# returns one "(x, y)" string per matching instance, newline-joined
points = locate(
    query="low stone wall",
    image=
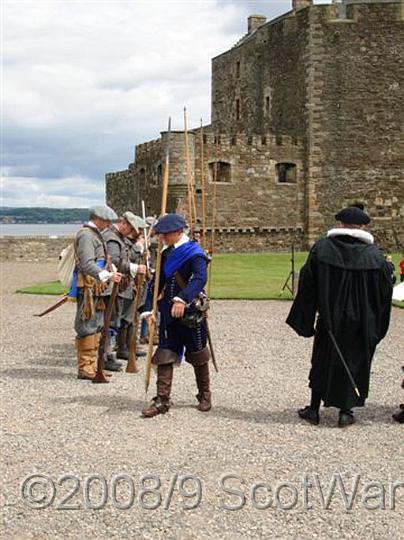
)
(45, 249)
(32, 248)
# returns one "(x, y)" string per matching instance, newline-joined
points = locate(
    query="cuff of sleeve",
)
(133, 269)
(178, 299)
(104, 275)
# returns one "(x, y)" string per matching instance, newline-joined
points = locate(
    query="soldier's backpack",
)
(66, 266)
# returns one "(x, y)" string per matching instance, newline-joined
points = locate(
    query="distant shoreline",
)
(45, 230)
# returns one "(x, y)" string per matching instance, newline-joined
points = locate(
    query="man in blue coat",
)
(183, 330)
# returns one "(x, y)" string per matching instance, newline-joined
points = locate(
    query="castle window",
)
(220, 171)
(267, 105)
(249, 140)
(238, 69)
(286, 173)
(233, 141)
(159, 175)
(237, 109)
(142, 177)
(263, 141)
(205, 139)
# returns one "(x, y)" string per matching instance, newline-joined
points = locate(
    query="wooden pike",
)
(192, 214)
(52, 308)
(212, 236)
(203, 190)
(152, 326)
(102, 348)
(132, 366)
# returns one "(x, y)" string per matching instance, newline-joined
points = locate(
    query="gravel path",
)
(55, 425)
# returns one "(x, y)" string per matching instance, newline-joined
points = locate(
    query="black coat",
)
(348, 284)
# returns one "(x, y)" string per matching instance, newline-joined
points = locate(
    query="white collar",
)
(360, 234)
(92, 225)
(183, 240)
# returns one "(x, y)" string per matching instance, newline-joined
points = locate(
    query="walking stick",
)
(100, 376)
(152, 326)
(350, 377)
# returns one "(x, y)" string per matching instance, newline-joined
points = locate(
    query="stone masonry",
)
(307, 117)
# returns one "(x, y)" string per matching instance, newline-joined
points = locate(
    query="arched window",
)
(286, 173)
(220, 171)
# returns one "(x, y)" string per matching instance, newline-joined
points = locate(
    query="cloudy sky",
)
(84, 82)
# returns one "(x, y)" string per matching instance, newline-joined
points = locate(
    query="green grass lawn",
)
(257, 276)
(238, 276)
(50, 287)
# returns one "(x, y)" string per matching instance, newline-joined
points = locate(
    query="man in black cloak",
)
(347, 282)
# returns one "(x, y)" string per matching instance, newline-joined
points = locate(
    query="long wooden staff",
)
(212, 237)
(191, 194)
(203, 190)
(131, 366)
(152, 327)
(100, 375)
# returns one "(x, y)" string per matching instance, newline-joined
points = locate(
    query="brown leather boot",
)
(204, 395)
(200, 362)
(161, 403)
(87, 348)
(121, 339)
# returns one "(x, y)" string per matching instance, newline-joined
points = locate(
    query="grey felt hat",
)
(103, 212)
(136, 221)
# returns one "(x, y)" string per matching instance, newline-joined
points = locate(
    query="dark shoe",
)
(345, 419)
(205, 401)
(85, 376)
(399, 416)
(112, 365)
(310, 415)
(158, 406)
(123, 354)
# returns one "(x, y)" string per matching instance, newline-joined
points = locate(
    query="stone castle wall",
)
(252, 162)
(356, 141)
(32, 249)
(321, 88)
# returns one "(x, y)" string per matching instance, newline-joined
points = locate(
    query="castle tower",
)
(297, 5)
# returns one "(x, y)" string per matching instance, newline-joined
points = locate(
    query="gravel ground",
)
(55, 425)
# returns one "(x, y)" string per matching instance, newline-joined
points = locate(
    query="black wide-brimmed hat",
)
(353, 216)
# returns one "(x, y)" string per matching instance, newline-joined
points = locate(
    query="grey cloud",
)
(85, 82)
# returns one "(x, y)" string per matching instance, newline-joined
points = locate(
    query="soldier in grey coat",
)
(92, 276)
(135, 247)
(118, 252)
